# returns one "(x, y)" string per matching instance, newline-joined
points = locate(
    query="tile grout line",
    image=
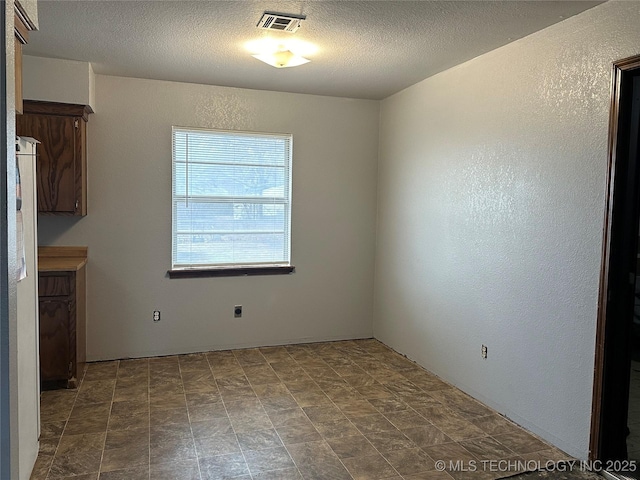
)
(348, 419)
(305, 413)
(193, 438)
(75, 398)
(113, 394)
(227, 412)
(272, 425)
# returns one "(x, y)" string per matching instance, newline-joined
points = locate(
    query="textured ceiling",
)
(368, 49)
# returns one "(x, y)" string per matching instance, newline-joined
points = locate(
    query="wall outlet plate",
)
(156, 315)
(237, 311)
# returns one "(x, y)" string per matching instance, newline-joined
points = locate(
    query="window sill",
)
(231, 271)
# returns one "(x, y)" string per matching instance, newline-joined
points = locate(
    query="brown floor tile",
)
(426, 436)
(167, 400)
(278, 403)
(196, 399)
(302, 433)
(337, 428)
(249, 414)
(494, 424)
(372, 423)
(259, 440)
(293, 416)
(86, 476)
(187, 469)
(125, 438)
(316, 461)
(206, 412)
(268, 459)
(448, 452)
(313, 398)
(285, 474)
(171, 449)
(217, 445)
(169, 416)
(370, 467)
(101, 371)
(210, 428)
(390, 440)
(521, 442)
(251, 422)
(389, 405)
(461, 403)
(407, 419)
(48, 446)
(270, 390)
(41, 467)
(410, 461)
(324, 414)
(96, 391)
(356, 409)
(353, 446)
(158, 433)
(433, 475)
(125, 457)
(487, 448)
(75, 463)
(128, 421)
(137, 393)
(458, 428)
(244, 406)
(223, 467)
(52, 429)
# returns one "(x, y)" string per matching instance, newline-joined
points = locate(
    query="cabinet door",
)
(54, 339)
(56, 163)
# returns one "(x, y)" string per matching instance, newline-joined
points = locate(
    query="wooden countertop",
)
(61, 259)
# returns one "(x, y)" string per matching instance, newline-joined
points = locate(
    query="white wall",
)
(128, 227)
(490, 215)
(55, 80)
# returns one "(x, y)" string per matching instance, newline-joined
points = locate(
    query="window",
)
(231, 200)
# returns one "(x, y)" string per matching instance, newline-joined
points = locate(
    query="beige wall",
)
(128, 228)
(56, 80)
(490, 211)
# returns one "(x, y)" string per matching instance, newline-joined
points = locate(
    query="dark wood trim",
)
(230, 271)
(618, 69)
(61, 109)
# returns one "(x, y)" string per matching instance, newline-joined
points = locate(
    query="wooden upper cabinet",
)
(61, 165)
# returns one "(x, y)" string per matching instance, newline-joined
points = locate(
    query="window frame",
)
(244, 269)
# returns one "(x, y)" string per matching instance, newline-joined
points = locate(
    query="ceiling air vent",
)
(283, 22)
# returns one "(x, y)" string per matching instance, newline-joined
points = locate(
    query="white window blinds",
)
(231, 198)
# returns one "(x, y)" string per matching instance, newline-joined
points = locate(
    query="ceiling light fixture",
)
(282, 58)
(280, 53)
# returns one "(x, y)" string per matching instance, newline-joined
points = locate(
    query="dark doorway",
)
(618, 332)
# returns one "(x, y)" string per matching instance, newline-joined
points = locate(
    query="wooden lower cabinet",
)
(62, 326)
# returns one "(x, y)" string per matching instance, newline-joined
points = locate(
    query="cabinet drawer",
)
(53, 286)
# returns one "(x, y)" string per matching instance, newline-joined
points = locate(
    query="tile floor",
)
(324, 411)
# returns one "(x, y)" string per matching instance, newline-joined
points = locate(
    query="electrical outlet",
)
(484, 351)
(237, 311)
(156, 315)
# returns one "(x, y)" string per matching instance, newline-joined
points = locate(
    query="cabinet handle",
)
(77, 203)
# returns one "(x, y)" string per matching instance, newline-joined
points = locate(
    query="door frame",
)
(618, 78)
